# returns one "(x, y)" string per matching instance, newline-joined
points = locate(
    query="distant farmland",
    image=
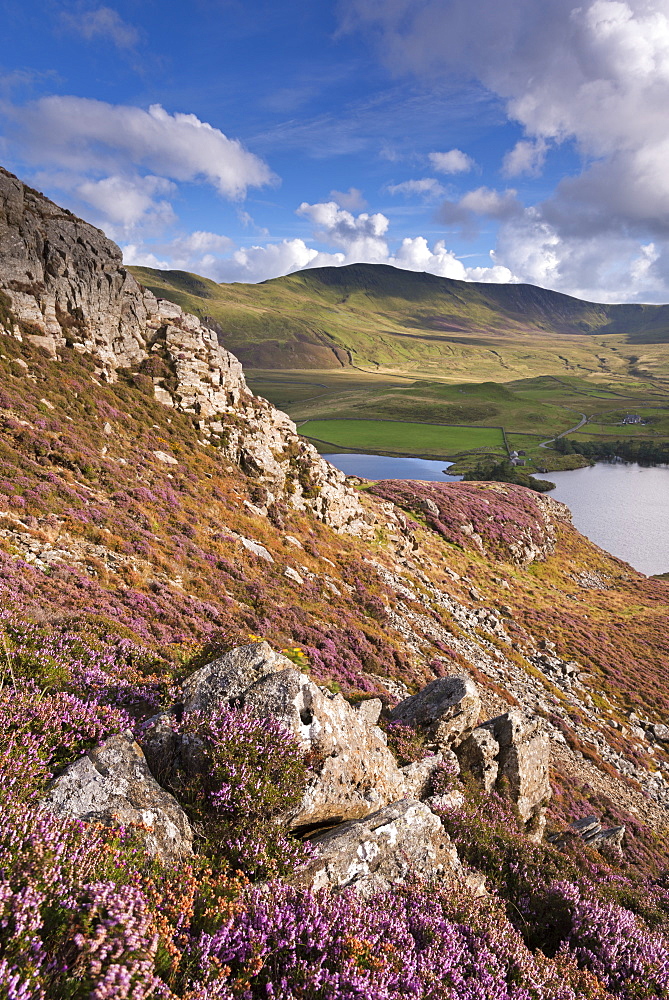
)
(399, 438)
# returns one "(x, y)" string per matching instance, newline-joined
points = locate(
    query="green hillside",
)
(376, 316)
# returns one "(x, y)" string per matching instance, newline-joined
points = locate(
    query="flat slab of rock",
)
(382, 850)
(112, 785)
(447, 709)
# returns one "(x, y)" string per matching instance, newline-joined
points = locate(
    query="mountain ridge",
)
(352, 308)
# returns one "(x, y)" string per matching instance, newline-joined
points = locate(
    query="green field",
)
(426, 440)
(531, 411)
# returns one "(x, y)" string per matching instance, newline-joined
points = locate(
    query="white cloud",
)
(452, 162)
(525, 158)
(105, 23)
(595, 74)
(352, 200)
(355, 239)
(127, 202)
(361, 237)
(139, 256)
(96, 138)
(426, 187)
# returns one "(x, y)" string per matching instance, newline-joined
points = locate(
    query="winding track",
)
(570, 430)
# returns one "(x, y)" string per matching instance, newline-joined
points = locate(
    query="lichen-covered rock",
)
(112, 785)
(224, 679)
(382, 850)
(419, 776)
(356, 774)
(523, 760)
(370, 710)
(446, 710)
(477, 756)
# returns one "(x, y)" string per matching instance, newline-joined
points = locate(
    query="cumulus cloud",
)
(452, 162)
(352, 200)
(426, 187)
(355, 239)
(594, 74)
(525, 158)
(127, 202)
(77, 133)
(361, 237)
(104, 23)
(198, 251)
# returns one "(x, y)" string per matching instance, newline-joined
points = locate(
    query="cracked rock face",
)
(66, 286)
(446, 710)
(382, 850)
(112, 785)
(512, 754)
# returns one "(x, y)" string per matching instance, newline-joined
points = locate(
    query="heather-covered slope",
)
(142, 535)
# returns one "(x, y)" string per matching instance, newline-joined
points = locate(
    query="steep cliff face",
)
(63, 284)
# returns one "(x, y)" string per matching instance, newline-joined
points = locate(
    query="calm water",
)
(623, 508)
(383, 467)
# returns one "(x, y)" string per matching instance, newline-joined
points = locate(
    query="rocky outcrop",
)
(591, 832)
(499, 521)
(355, 773)
(221, 681)
(446, 710)
(112, 785)
(512, 754)
(402, 839)
(419, 776)
(63, 284)
(478, 756)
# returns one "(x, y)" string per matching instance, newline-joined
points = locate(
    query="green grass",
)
(427, 440)
(380, 318)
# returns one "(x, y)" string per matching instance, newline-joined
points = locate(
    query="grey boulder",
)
(230, 675)
(519, 747)
(446, 710)
(356, 773)
(370, 855)
(112, 785)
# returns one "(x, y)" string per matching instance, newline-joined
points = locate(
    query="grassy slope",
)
(378, 315)
(558, 357)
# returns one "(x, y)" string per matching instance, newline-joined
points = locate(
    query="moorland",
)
(200, 619)
(370, 358)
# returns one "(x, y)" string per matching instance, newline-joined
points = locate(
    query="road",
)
(571, 430)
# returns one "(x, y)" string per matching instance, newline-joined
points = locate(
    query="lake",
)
(384, 467)
(623, 508)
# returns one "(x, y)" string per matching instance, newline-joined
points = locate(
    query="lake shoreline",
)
(621, 506)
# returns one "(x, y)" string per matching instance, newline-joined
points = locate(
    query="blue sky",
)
(524, 141)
